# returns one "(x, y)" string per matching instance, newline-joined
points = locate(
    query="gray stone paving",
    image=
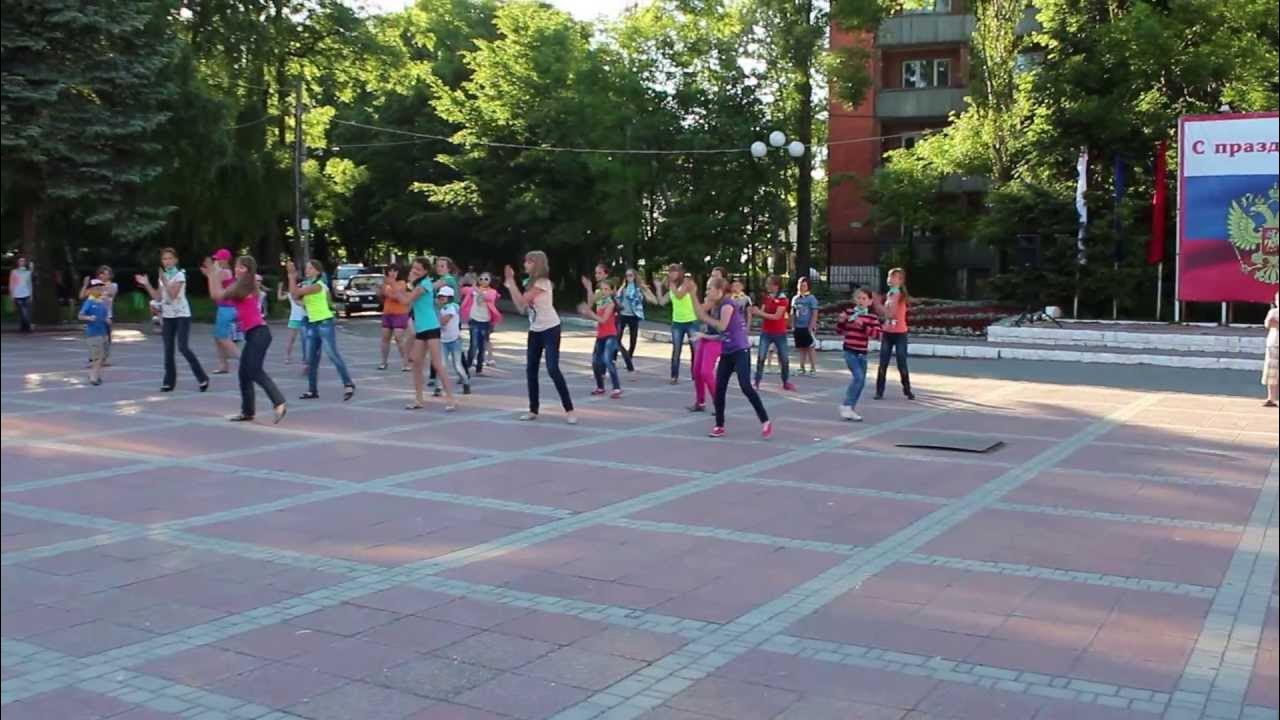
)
(1215, 682)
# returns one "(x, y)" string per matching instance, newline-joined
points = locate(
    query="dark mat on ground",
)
(958, 443)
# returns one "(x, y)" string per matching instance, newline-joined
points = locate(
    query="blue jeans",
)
(453, 360)
(324, 333)
(780, 342)
(857, 363)
(479, 340)
(548, 342)
(603, 359)
(894, 344)
(680, 331)
(23, 306)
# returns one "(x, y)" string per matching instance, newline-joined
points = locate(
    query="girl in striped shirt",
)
(858, 327)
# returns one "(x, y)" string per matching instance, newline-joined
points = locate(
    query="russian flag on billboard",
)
(1229, 192)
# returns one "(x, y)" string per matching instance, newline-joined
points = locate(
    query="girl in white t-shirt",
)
(536, 299)
(297, 321)
(170, 293)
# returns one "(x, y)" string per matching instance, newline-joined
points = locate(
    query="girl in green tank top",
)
(321, 330)
(682, 293)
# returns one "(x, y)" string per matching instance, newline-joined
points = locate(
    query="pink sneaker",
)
(716, 432)
(790, 387)
(766, 430)
(616, 394)
(598, 391)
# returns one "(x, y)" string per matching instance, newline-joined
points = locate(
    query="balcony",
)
(925, 29)
(919, 104)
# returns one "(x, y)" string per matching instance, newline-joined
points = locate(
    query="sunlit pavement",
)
(1116, 558)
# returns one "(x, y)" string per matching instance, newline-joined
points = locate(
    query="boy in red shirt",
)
(775, 310)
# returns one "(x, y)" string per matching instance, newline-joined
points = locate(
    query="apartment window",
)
(917, 7)
(926, 73)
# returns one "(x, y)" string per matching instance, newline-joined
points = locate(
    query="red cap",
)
(222, 255)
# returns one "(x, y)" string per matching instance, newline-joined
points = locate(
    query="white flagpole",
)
(1159, 287)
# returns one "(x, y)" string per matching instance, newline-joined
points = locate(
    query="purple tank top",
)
(735, 335)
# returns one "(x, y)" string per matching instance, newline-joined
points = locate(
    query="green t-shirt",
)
(317, 303)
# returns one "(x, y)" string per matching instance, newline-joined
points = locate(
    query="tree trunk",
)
(804, 184)
(44, 290)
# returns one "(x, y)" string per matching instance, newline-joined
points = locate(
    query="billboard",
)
(1228, 202)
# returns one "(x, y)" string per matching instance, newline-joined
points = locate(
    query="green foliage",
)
(84, 91)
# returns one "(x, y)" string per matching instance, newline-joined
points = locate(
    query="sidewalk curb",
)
(987, 352)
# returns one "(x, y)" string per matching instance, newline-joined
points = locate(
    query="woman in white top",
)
(1271, 362)
(297, 322)
(536, 299)
(20, 291)
(175, 314)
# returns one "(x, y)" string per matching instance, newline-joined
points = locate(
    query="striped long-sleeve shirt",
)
(858, 330)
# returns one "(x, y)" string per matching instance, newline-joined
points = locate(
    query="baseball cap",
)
(223, 254)
(445, 291)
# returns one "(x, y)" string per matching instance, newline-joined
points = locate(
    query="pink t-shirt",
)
(249, 312)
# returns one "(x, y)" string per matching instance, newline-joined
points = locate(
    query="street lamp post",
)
(796, 149)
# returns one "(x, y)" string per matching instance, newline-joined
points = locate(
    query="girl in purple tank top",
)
(735, 355)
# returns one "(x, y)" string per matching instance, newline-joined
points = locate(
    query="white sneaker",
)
(847, 413)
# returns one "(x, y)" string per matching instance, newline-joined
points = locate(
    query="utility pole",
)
(300, 223)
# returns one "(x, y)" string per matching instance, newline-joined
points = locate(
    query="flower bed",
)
(931, 316)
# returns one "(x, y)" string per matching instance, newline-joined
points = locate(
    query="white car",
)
(343, 274)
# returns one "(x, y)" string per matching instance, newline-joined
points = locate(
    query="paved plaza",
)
(1115, 559)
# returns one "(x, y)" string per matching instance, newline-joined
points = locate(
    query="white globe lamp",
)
(796, 149)
(777, 139)
(758, 149)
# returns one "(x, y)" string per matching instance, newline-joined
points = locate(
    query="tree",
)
(84, 91)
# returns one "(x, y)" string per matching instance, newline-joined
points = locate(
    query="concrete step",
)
(942, 347)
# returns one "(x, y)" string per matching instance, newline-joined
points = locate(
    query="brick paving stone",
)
(634, 644)
(419, 634)
(449, 711)
(734, 700)
(148, 496)
(66, 704)
(406, 600)
(547, 482)
(471, 613)
(353, 658)
(202, 666)
(278, 642)
(794, 513)
(925, 640)
(91, 638)
(1224, 504)
(811, 677)
(820, 708)
(580, 668)
(496, 650)
(362, 700)
(1264, 687)
(551, 627)
(901, 475)
(345, 619)
(1105, 546)
(963, 701)
(21, 533)
(521, 696)
(278, 685)
(435, 677)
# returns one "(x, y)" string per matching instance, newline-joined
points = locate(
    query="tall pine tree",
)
(82, 90)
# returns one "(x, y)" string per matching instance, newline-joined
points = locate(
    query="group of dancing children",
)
(424, 312)
(716, 327)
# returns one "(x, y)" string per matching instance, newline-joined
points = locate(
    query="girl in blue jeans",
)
(858, 327)
(322, 329)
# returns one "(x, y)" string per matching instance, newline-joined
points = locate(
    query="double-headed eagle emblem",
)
(1252, 228)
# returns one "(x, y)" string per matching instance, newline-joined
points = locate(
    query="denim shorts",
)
(224, 326)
